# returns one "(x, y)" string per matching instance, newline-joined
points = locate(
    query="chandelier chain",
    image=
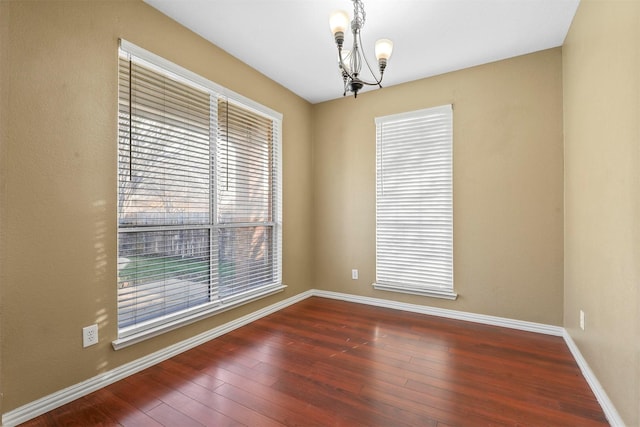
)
(359, 15)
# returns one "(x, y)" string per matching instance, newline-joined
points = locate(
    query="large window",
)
(414, 202)
(199, 205)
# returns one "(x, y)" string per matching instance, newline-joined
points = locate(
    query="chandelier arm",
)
(352, 76)
(364, 82)
(366, 61)
(343, 67)
(369, 84)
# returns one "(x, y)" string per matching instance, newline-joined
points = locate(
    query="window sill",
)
(434, 293)
(135, 338)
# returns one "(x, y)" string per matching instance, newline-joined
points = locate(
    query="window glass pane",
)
(245, 165)
(161, 272)
(245, 259)
(164, 156)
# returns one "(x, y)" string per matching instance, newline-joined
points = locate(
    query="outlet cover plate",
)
(89, 335)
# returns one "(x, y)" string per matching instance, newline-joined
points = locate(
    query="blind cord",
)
(130, 125)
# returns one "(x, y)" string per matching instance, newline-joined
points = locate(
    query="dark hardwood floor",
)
(327, 363)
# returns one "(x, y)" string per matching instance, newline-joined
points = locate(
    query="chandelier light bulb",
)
(338, 21)
(383, 49)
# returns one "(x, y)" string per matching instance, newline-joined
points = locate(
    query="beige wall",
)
(507, 186)
(58, 70)
(58, 181)
(4, 104)
(601, 58)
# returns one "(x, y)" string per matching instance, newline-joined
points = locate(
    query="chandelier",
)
(351, 61)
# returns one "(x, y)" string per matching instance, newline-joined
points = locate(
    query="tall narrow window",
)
(414, 202)
(199, 212)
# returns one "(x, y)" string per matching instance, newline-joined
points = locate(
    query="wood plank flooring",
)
(322, 362)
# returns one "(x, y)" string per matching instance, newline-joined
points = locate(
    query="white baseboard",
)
(57, 399)
(607, 406)
(450, 314)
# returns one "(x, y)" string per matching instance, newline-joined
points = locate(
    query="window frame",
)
(406, 267)
(131, 335)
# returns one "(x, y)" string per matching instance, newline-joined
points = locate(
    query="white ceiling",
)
(290, 42)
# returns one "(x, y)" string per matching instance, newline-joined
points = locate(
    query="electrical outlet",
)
(354, 274)
(582, 320)
(90, 335)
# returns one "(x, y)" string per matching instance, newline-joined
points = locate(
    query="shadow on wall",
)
(101, 269)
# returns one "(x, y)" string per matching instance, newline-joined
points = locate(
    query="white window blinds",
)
(199, 211)
(246, 162)
(414, 202)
